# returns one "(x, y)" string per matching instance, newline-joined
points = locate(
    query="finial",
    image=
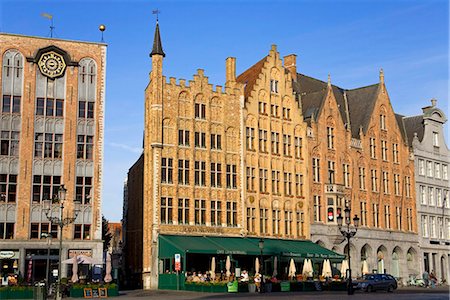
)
(381, 76)
(156, 12)
(157, 45)
(50, 17)
(102, 28)
(329, 80)
(433, 102)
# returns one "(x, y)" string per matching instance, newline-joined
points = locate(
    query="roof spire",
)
(329, 80)
(157, 45)
(381, 76)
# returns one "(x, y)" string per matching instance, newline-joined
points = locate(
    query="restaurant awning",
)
(169, 245)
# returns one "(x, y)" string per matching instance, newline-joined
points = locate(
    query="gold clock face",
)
(52, 64)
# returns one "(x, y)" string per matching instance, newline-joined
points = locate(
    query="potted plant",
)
(251, 286)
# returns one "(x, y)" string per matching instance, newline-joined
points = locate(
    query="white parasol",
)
(108, 277)
(74, 269)
(275, 263)
(228, 266)
(344, 268)
(326, 268)
(292, 268)
(305, 268)
(365, 267)
(213, 268)
(256, 265)
(310, 268)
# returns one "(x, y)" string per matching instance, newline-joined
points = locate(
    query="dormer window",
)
(274, 86)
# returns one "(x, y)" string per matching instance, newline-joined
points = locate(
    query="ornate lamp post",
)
(261, 248)
(348, 233)
(61, 222)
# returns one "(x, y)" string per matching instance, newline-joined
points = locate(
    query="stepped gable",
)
(249, 77)
(361, 103)
(414, 124)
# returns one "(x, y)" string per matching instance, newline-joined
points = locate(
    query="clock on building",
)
(52, 64)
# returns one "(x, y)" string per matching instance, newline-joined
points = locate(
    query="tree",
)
(106, 235)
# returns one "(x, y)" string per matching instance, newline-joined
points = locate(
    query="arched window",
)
(12, 81)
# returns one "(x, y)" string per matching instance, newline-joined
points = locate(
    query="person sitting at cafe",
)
(195, 278)
(244, 276)
(257, 280)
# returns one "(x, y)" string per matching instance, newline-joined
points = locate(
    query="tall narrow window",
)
(299, 219)
(231, 213)
(383, 122)
(183, 211)
(398, 218)
(331, 170)
(263, 220)
(317, 208)
(262, 107)
(263, 177)
(286, 113)
(276, 183)
(437, 170)
(274, 86)
(287, 184)
(263, 141)
(374, 180)
(87, 79)
(231, 176)
(216, 174)
(183, 137)
(375, 216)
(7, 231)
(387, 216)
(12, 82)
(386, 182)
(298, 147)
(183, 171)
(330, 137)
(421, 167)
(424, 225)
(251, 220)
(200, 111)
(85, 146)
(200, 173)
(395, 152)
(166, 210)
(362, 178)
(216, 213)
(435, 139)
(251, 179)
(275, 143)
(409, 219)
(407, 186)
(83, 189)
(286, 145)
(423, 195)
(444, 172)
(288, 223)
(429, 168)
(276, 220)
(316, 169)
(216, 141)
(431, 196)
(363, 212)
(250, 138)
(9, 142)
(200, 212)
(346, 171)
(299, 185)
(8, 188)
(200, 139)
(373, 149)
(166, 170)
(397, 184)
(384, 150)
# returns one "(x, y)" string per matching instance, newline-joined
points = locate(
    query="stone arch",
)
(411, 260)
(330, 122)
(263, 203)
(288, 206)
(274, 73)
(397, 257)
(382, 256)
(199, 98)
(251, 121)
(366, 252)
(275, 204)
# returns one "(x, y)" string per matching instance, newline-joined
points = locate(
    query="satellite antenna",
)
(102, 28)
(50, 17)
(156, 12)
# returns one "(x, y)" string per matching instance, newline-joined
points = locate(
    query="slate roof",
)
(413, 124)
(157, 45)
(250, 75)
(401, 125)
(361, 102)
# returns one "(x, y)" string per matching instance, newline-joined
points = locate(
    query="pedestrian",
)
(426, 278)
(433, 279)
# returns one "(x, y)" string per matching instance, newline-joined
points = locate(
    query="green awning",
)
(169, 245)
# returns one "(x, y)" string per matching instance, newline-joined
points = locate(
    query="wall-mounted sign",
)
(76, 252)
(6, 254)
(177, 262)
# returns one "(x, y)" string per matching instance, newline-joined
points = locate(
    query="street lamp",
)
(261, 248)
(348, 233)
(61, 222)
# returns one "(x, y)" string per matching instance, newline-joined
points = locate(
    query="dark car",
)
(374, 282)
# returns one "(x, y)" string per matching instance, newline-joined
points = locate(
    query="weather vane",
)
(102, 28)
(50, 17)
(156, 12)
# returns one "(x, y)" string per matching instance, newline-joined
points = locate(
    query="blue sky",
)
(351, 40)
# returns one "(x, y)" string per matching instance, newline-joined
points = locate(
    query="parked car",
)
(374, 282)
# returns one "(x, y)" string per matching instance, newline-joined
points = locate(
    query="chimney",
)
(230, 69)
(290, 63)
(433, 102)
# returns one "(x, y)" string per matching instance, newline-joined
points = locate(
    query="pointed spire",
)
(381, 76)
(329, 80)
(157, 45)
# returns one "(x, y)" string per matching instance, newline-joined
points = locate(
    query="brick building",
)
(360, 159)
(52, 105)
(221, 168)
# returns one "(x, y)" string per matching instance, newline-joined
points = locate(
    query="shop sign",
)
(177, 262)
(76, 252)
(7, 254)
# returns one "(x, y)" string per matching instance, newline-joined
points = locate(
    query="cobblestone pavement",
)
(410, 293)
